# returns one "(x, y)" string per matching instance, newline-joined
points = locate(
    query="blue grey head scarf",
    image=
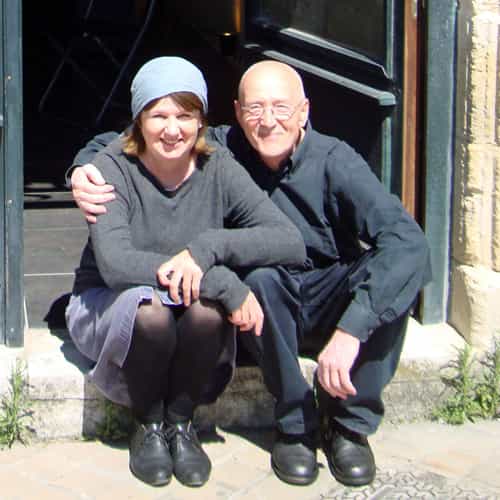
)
(162, 76)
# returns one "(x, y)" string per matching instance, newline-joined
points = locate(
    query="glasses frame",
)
(249, 116)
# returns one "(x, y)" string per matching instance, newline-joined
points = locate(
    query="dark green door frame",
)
(11, 178)
(3, 238)
(439, 151)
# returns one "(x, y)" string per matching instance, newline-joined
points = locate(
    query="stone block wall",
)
(475, 267)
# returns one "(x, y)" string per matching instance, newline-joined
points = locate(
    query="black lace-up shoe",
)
(293, 458)
(349, 456)
(150, 459)
(191, 464)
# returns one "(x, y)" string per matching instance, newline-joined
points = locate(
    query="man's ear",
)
(237, 110)
(304, 113)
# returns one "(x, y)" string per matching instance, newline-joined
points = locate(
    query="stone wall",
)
(475, 267)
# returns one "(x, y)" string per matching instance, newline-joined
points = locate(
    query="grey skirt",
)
(100, 322)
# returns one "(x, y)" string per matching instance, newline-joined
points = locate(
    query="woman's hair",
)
(133, 140)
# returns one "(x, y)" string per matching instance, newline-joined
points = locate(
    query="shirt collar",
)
(301, 150)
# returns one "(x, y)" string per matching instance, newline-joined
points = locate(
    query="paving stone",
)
(391, 484)
(93, 470)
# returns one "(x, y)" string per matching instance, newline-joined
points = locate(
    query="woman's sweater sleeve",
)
(257, 233)
(221, 284)
(120, 263)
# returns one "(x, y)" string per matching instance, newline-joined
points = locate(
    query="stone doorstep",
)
(66, 405)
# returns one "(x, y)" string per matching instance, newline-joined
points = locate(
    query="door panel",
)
(355, 24)
(350, 54)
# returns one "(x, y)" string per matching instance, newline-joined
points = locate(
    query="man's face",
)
(272, 112)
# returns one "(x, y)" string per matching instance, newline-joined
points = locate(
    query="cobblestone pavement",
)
(414, 461)
(398, 484)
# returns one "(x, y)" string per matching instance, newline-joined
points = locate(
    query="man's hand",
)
(181, 271)
(249, 315)
(90, 191)
(335, 362)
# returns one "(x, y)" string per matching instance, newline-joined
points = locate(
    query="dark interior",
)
(54, 134)
(55, 231)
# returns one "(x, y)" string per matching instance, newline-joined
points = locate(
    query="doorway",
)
(54, 230)
(356, 82)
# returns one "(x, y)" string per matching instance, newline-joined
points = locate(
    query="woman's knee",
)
(201, 331)
(205, 315)
(153, 318)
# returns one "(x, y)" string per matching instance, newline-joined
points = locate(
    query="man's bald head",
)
(272, 73)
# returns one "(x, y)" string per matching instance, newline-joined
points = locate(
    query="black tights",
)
(173, 353)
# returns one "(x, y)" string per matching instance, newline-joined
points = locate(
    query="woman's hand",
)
(90, 191)
(181, 272)
(249, 315)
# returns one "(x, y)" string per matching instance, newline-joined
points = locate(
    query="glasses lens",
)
(254, 111)
(279, 111)
(282, 111)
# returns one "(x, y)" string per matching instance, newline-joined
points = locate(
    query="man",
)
(367, 261)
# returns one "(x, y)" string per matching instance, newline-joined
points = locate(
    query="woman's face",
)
(170, 131)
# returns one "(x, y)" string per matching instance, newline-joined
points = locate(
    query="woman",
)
(156, 297)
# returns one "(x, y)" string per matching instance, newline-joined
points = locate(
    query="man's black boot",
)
(191, 464)
(349, 456)
(293, 458)
(150, 459)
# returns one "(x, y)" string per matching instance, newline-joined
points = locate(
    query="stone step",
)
(65, 404)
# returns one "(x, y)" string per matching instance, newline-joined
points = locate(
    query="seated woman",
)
(156, 298)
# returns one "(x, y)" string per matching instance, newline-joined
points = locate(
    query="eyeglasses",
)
(280, 111)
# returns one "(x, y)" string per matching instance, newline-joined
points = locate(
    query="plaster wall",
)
(475, 267)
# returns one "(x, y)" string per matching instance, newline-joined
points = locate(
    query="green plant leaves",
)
(14, 408)
(475, 387)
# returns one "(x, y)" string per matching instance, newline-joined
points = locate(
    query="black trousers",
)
(301, 311)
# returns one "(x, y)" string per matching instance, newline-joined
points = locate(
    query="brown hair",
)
(133, 140)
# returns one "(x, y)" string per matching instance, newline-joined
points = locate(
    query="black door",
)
(349, 53)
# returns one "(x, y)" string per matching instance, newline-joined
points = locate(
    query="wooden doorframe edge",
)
(412, 92)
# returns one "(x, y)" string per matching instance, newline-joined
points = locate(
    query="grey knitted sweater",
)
(219, 214)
